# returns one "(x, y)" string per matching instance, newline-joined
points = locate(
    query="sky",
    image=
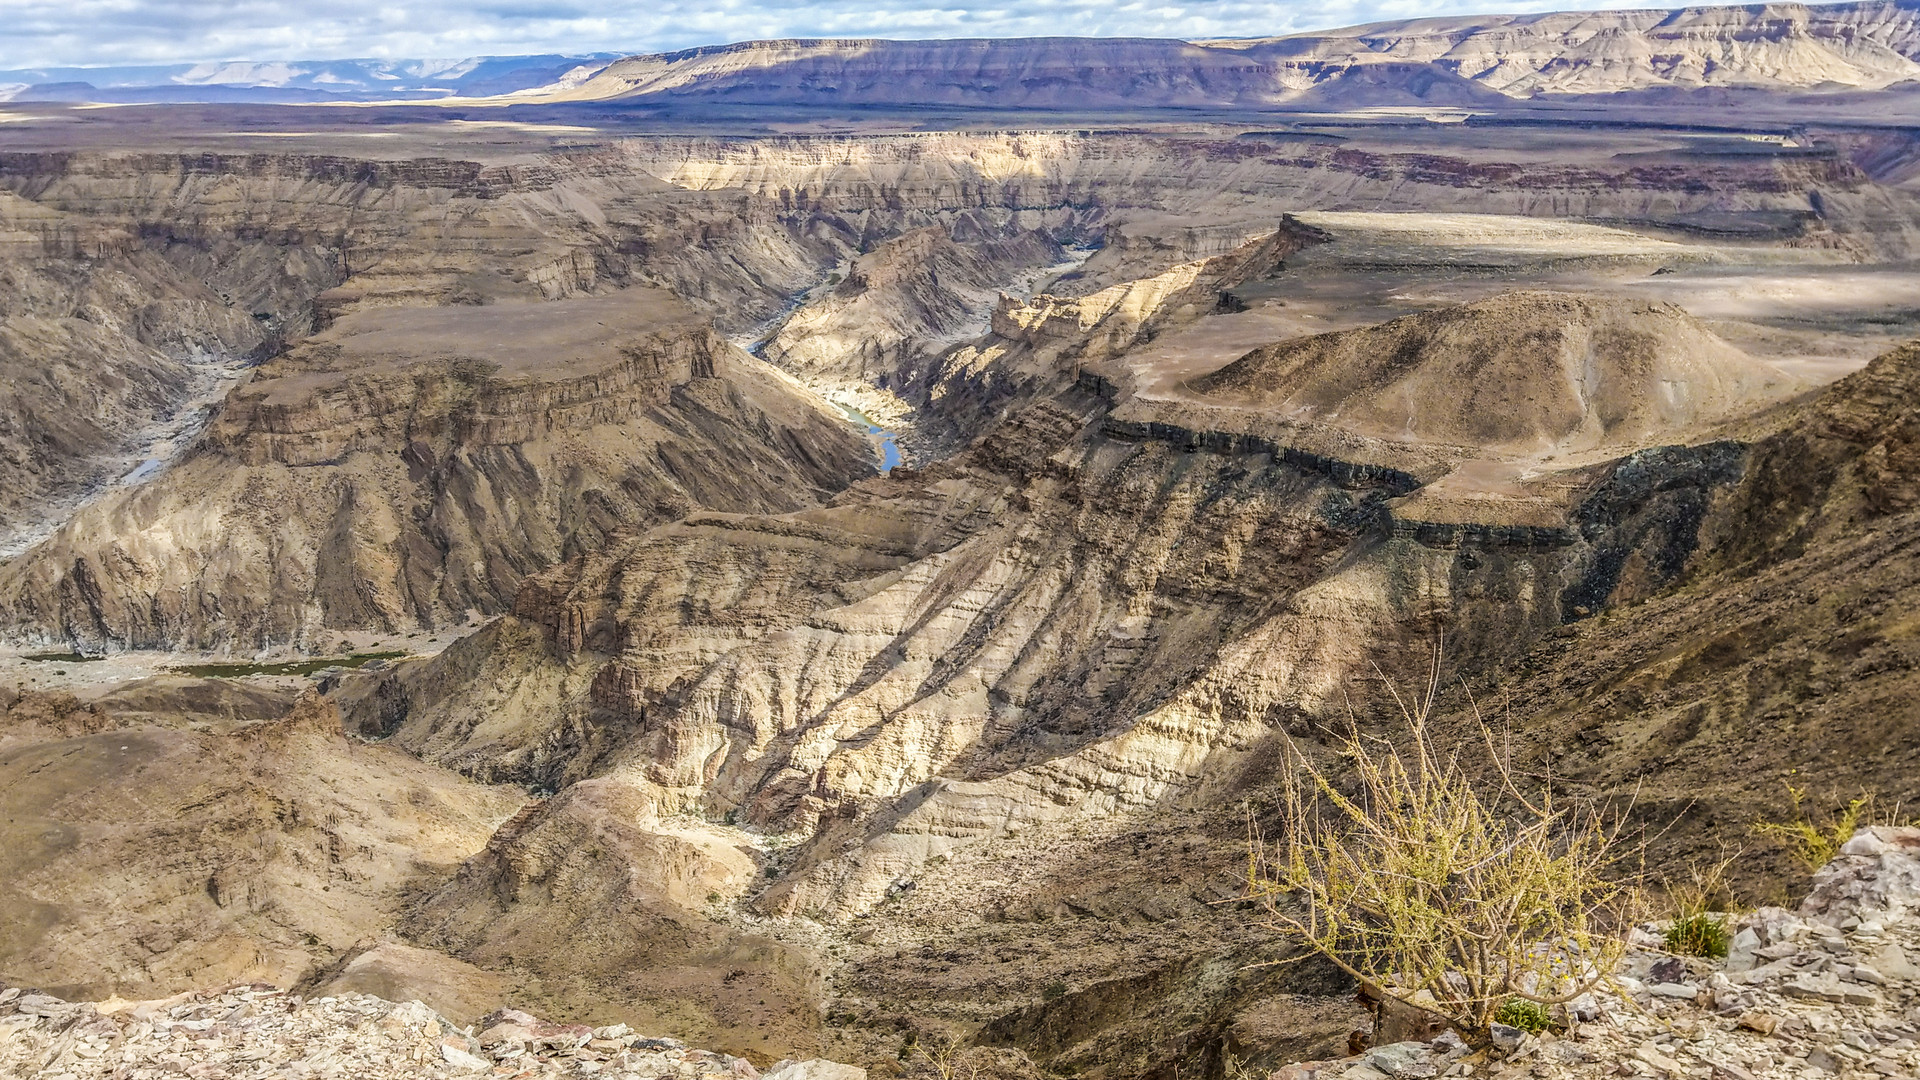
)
(43, 33)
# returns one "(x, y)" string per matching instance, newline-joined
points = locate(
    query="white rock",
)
(1658, 1061)
(815, 1069)
(462, 1060)
(1890, 960)
(1740, 950)
(1876, 876)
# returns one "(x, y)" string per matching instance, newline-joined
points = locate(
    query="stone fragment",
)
(1670, 970)
(1409, 1059)
(1449, 1044)
(1741, 950)
(1876, 876)
(1657, 1061)
(1758, 1020)
(1862, 1041)
(462, 1060)
(1864, 974)
(1890, 960)
(1820, 1059)
(505, 1033)
(1507, 1038)
(1826, 987)
(1681, 991)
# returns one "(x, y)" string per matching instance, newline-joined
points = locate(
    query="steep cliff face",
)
(1039, 344)
(410, 467)
(963, 700)
(906, 301)
(101, 340)
(1180, 194)
(1867, 45)
(967, 698)
(1071, 621)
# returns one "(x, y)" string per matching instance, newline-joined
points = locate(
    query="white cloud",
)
(43, 33)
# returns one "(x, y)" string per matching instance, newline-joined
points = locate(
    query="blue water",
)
(889, 449)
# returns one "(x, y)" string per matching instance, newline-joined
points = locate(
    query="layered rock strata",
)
(410, 467)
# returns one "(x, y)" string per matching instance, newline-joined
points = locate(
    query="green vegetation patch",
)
(296, 667)
(63, 657)
(1698, 934)
(1525, 1015)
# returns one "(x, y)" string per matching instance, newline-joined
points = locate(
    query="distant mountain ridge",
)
(300, 80)
(1464, 61)
(1468, 62)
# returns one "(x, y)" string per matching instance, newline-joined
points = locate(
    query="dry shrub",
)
(1449, 894)
(940, 1055)
(1816, 842)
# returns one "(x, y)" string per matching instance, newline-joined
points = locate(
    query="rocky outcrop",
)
(347, 1034)
(1041, 344)
(101, 341)
(410, 467)
(1779, 652)
(1774, 46)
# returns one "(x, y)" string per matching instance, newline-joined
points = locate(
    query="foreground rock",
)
(258, 1031)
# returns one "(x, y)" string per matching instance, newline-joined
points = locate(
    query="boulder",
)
(815, 1069)
(1876, 877)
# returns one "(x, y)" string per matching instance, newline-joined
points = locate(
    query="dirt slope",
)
(1788, 657)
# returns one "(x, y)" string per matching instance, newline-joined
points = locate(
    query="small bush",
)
(1815, 843)
(1529, 1016)
(1449, 895)
(1053, 991)
(1698, 935)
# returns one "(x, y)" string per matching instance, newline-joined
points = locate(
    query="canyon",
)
(817, 582)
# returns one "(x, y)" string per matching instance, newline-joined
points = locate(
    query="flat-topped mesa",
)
(467, 376)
